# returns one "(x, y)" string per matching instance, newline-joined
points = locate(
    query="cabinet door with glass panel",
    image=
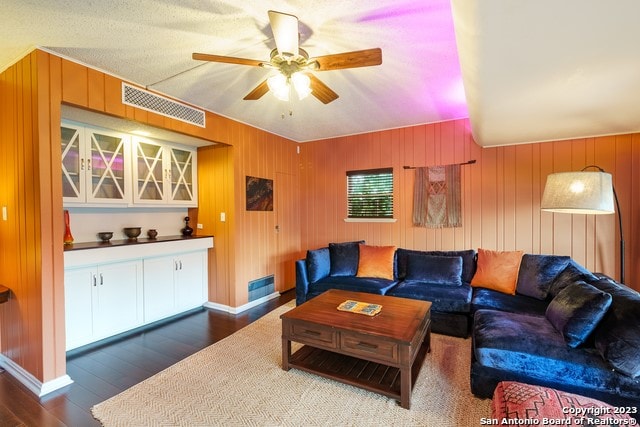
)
(95, 165)
(164, 173)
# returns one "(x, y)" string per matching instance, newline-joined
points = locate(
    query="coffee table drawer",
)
(364, 346)
(311, 335)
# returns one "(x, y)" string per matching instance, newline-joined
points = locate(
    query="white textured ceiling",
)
(533, 70)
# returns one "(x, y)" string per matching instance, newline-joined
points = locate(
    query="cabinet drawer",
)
(369, 348)
(313, 335)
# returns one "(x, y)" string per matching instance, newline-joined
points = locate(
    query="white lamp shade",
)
(578, 192)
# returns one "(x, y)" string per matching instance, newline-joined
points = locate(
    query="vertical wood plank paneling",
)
(95, 90)
(501, 193)
(74, 83)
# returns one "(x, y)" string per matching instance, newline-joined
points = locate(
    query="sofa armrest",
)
(302, 281)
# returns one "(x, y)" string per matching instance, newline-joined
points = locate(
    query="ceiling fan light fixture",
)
(302, 85)
(279, 86)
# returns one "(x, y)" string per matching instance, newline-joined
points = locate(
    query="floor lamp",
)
(584, 192)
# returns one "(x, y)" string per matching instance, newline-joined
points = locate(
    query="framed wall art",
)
(259, 194)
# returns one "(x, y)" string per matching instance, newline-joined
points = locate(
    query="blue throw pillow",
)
(571, 273)
(344, 258)
(318, 264)
(576, 311)
(537, 273)
(434, 270)
(468, 261)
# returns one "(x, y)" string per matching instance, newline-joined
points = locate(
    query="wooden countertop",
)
(128, 242)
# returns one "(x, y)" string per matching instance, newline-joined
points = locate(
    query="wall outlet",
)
(199, 226)
(223, 216)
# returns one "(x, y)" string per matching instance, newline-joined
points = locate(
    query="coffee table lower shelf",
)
(361, 373)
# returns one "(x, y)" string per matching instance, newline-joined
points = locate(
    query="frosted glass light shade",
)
(279, 86)
(302, 84)
(578, 192)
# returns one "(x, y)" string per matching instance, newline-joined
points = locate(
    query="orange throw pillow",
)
(376, 261)
(497, 270)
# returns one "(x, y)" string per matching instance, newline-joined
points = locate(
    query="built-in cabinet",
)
(110, 290)
(103, 167)
(102, 300)
(164, 173)
(173, 284)
(95, 165)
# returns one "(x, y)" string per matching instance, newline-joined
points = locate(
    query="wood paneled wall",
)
(501, 194)
(31, 258)
(249, 247)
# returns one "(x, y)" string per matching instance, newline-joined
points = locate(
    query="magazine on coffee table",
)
(360, 307)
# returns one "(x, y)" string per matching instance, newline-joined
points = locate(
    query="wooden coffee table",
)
(382, 353)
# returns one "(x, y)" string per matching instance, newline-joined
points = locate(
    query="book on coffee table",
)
(360, 307)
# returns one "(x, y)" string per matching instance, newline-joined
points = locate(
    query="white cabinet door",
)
(78, 291)
(118, 304)
(182, 176)
(159, 289)
(95, 165)
(101, 301)
(150, 173)
(107, 166)
(73, 163)
(191, 280)
(163, 173)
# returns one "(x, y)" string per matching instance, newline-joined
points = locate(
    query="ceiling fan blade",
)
(285, 32)
(321, 90)
(226, 59)
(257, 93)
(358, 58)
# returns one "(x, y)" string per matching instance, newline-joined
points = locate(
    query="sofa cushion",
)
(570, 274)
(344, 258)
(318, 264)
(576, 311)
(468, 261)
(487, 299)
(436, 270)
(531, 346)
(376, 261)
(497, 270)
(537, 273)
(351, 283)
(617, 336)
(444, 298)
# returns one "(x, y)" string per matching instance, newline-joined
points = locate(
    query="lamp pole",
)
(615, 197)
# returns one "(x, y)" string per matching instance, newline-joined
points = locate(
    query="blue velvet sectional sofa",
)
(564, 327)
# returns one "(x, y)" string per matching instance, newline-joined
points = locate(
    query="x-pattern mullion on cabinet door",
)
(151, 168)
(182, 170)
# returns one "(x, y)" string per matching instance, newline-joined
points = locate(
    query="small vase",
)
(187, 231)
(152, 233)
(68, 238)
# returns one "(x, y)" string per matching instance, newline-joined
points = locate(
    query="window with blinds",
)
(370, 193)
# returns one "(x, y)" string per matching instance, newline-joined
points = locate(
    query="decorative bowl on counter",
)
(132, 232)
(105, 236)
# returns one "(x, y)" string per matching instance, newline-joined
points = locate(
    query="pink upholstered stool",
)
(513, 400)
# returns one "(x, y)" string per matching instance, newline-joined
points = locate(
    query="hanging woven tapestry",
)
(437, 197)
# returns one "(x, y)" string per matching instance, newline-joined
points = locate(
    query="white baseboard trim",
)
(247, 306)
(29, 381)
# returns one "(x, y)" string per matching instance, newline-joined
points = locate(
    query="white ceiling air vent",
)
(149, 101)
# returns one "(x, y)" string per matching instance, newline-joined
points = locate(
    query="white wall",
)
(87, 222)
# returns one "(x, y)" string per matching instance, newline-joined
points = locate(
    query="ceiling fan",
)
(294, 65)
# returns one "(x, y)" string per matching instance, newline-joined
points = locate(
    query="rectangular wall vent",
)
(149, 101)
(261, 288)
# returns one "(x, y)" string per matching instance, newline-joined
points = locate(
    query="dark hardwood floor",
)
(107, 369)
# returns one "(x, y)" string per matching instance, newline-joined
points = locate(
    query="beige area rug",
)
(239, 381)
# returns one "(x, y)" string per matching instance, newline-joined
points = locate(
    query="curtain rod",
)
(470, 162)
